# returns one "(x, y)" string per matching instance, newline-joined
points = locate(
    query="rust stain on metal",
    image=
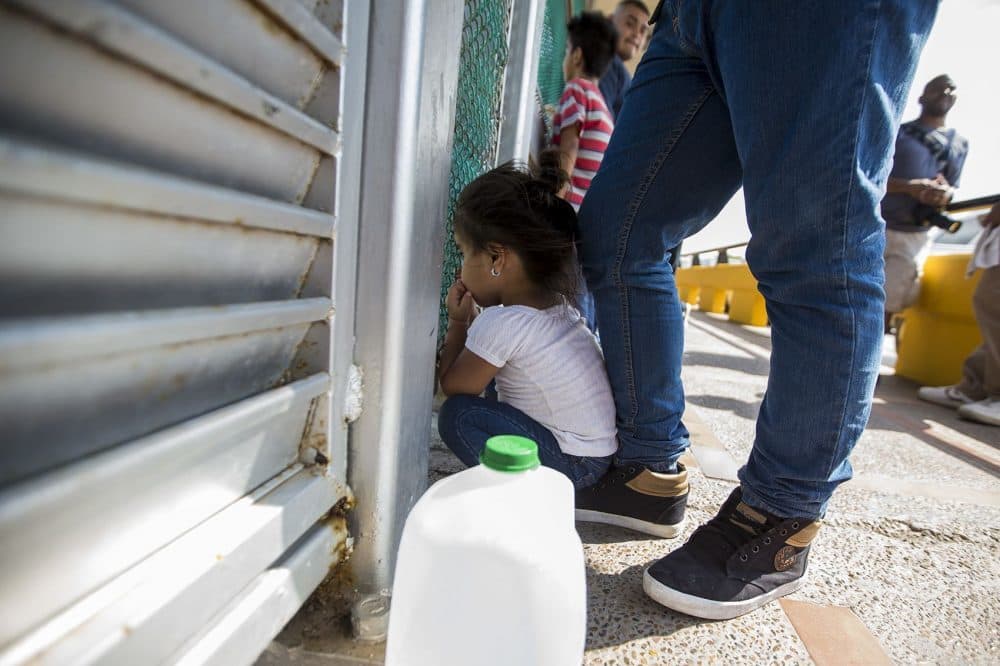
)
(326, 614)
(342, 507)
(269, 108)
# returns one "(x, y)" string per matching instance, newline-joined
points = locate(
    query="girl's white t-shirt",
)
(552, 369)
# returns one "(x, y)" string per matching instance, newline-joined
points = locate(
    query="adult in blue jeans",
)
(799, 103)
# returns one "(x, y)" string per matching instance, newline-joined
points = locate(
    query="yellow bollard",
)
(688, 287)
(712, 300)
(688, 293)
(715, 287)
(747, 307)
(939, 330)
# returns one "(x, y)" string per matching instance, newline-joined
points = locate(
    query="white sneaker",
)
(949, 396)
(985, 411)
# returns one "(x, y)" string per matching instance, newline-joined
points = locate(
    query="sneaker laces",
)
(730, 531)
(617, 475)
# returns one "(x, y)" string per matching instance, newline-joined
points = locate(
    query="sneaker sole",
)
(944, 402)
(709, 609)
(654, 529)
(978, 418)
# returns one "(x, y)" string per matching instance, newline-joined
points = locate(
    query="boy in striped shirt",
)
(583, 123)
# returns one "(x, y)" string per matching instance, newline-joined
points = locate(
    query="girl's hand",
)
(460, 303)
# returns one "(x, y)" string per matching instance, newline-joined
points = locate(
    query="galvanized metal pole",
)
(413, 53)
(519, 112)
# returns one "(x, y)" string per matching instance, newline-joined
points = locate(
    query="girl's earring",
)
(494, 272)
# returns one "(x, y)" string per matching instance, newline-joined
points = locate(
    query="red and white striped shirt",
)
(583, 105)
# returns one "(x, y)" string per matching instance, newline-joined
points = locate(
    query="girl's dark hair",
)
(516, 206)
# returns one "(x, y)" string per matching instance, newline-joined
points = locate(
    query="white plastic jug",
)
(490, 568)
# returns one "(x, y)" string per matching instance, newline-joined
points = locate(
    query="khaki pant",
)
(981, 370)
(905, 254)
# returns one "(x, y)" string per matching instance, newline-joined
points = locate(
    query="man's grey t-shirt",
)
(912, 159)
(613, 85)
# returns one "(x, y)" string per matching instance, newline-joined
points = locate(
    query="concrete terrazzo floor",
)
(911, 546)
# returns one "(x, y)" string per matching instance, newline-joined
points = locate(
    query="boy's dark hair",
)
(638, 4)
(596, 37)
(516, 206)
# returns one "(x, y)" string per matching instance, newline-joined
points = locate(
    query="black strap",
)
(937, 143)
(655, 16)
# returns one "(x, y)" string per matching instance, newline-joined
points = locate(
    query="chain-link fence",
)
(481, 69)
(550, 56)
(550, 59)
(482, 64)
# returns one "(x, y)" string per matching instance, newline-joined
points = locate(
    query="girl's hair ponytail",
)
(548, 175)
(547, 171)
(518, 207)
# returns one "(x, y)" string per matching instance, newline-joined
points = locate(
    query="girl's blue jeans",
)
(466, 422)
(798, 103)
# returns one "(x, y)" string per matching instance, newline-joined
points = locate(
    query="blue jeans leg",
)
(776, 101)
(671, 165)
(585, 303)
(465, 422)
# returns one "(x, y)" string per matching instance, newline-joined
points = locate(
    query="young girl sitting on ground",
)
(518, 263)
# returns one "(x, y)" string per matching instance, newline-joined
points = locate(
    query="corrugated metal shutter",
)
(171, 372)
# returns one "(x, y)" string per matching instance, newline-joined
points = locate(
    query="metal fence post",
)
(413, 54)
(519, 112)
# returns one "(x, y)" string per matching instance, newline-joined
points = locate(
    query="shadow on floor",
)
(741, 408)
(751, 366)
(758, 344)
(618, 611)
(597, 533)
(897, 408)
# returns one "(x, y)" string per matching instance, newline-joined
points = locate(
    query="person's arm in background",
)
(992, 218)
(937, 191)
(572, 112)
(569, 146)
(933, 192)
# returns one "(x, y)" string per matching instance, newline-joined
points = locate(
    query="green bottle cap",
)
(510, 453)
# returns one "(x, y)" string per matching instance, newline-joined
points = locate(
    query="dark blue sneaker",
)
(736, 562)
(638, 499)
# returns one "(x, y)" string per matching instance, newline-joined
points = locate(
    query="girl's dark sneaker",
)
(736, 562)
(638, 499)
